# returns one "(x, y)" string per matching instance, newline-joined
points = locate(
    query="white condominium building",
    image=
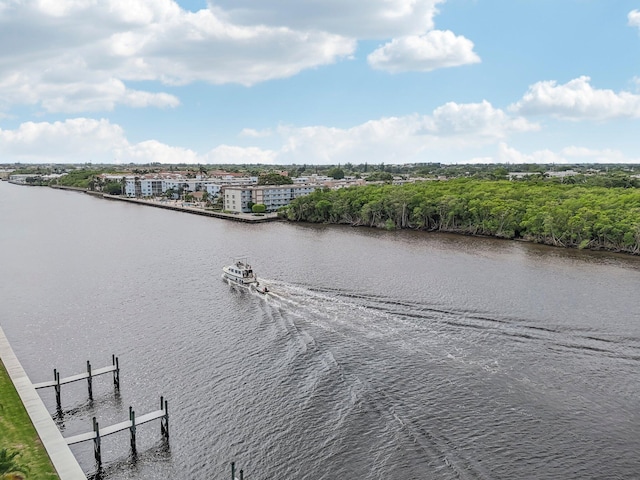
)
(238, 199)
(156, 185)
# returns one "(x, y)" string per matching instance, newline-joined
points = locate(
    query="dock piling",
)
(96, 443)
(89, 380)
(56, 378)
(233, 472)
(164, 421)
(116, 372)
(132, 429)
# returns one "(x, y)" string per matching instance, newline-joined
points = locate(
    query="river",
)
(378, 355)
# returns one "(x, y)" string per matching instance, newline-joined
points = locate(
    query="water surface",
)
(379, 354)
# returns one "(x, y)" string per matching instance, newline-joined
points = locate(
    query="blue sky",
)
(320, 81)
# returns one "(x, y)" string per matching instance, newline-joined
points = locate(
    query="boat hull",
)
(236, 280)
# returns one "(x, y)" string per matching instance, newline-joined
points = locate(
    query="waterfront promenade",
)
(180, 206)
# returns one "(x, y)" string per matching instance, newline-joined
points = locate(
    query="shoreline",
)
(250, 218)
(62, 459)
(175, 206)
(179, 207)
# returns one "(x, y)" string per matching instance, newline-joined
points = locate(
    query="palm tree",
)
(9, 465)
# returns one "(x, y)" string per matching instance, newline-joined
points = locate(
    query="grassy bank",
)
(18, 436)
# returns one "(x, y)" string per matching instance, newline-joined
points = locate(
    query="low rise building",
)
(30, 178)
(157, 184)
(241, 198)
(20, 179)
(314, 179)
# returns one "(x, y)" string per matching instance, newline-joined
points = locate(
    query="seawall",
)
(236, 217)
(59, 452)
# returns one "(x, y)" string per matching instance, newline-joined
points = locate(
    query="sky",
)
(320, 81)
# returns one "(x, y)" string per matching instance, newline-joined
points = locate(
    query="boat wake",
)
(337, 354)
(405, 362)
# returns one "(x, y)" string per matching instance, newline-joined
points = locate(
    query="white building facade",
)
(239, 199)
(157, 185)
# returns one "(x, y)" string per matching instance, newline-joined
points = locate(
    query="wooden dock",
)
(97, 433)
(118, 427)
(57, 382)
(75, 378)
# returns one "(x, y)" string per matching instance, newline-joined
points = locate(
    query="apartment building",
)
(239, 198)
(157, 185)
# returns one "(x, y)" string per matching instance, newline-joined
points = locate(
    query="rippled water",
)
(378, 355)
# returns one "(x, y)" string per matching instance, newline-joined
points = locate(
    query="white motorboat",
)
(241, 273)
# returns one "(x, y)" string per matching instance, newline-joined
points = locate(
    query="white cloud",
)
(224, 154)
(154, 151)
(385, 140)
(436, 49)
(76, 96)
(477, 119)
(577, 100)
(74, 140)
(634, 18)
(507, 154)
(253, 133)
(416, 46)
(353, 18)
(200, 46)
(452, 127)
(567, 155)
(78, 55)
(82, 140)
(481, 160)
(590, 155)
(83, 55)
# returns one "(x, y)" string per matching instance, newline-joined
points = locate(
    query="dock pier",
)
(97, 433)
(57, 382)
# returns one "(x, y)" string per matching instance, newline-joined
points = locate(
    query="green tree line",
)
(582, 216)
(79, 178)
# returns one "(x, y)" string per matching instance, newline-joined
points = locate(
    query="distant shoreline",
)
(177, 206)
(269, 217)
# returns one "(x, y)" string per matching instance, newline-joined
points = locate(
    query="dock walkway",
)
(75, 378)
(118, 427)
